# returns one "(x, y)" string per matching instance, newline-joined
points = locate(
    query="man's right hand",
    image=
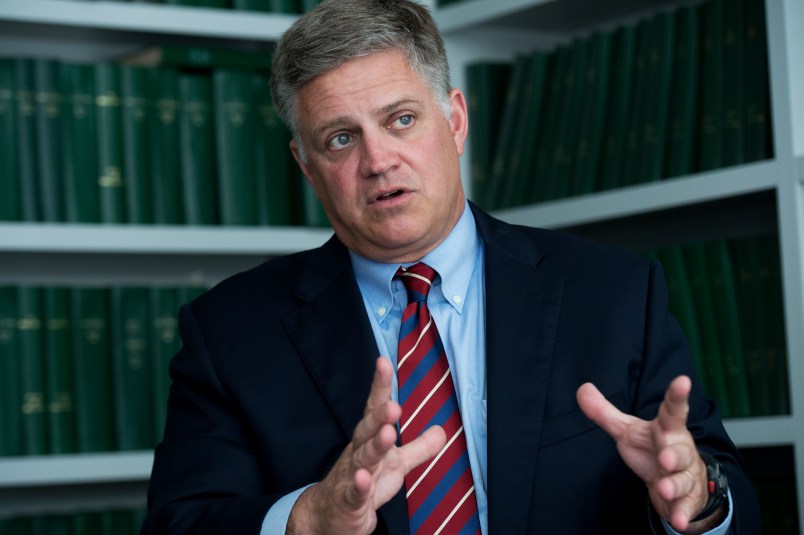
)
(369, 472)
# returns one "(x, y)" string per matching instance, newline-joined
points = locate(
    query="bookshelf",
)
(760, 195)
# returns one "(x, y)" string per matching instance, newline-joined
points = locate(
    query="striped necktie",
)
(440, 494)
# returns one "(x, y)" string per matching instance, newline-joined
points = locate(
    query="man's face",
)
(382, 157)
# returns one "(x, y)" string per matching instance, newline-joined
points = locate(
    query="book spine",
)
(80, 160)
(710, 116)
(9, 181)
(32, 370)
(131, 368)
(26, 139)
(197, 149)
(734, 84)
(93, 376)
(59, 370)
(274, 170)
(234, 128)
(758, 132)
(164, 146)
(135, 105)
(164, 344)
(48, 99)
(10, 393)
(110, 146)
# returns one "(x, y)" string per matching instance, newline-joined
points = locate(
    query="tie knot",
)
(418, 279)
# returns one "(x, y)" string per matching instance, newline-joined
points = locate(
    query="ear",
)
(305, 169)
(458, 119)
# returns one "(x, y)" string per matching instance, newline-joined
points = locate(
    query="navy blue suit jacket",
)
(277, 363)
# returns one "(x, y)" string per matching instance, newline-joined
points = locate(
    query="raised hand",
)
(661, 451)
(369, 472)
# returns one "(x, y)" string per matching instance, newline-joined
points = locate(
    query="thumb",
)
(598, 409)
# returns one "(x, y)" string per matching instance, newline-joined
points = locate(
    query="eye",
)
(339, 141)
(403, 121)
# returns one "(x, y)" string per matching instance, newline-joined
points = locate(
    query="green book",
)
(710, 115)
(774, 322)
(272, 6)
(757, 121)
(542, 171)
(521, 181)
(234, 128)
(575, 87)
(28, 175)
(136, 157)
(59, 391)
(619, 107)
(705, 310)
(131, 368)
(275, 170)
(32, 370)
(198, 57)
(589, 142)
(721, 275)
(307, 5)
(682, 132)
(734, 83)
(499, 177)
(486, 86)
(47, 98)
(10, 393)
(682, 306)
(642, 90)
(52, 524)
(164, 337)
(197, 149)
(164, 146)
(9, 183)
(93, 373)
(81, 193)
(750, 308)
(110, 143)
(659, 72)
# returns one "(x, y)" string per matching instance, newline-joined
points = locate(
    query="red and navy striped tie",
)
(440, 493)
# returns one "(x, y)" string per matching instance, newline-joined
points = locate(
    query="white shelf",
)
(147, 18)
(75, 469)
(155, 239)
(648, 198)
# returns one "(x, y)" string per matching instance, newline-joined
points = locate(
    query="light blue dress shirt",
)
(457, 304)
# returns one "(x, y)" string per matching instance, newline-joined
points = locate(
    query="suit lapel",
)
(523, 301)
(333, 337)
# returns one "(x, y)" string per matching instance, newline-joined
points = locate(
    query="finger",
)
(680, 514)
(374, 419)
(381, 384)
(678, 457)
(676, 485)
(370, 454)
(675, 407)
(598, 409)
(423, 448)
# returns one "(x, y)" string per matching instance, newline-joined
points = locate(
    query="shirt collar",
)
(456, 255)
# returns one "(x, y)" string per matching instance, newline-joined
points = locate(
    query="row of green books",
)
(267, 6)
(677, 93)
(181, 142)
(85, 369)
(727, 297)
(112, 522)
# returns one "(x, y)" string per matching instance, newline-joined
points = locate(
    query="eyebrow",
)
(385, 110)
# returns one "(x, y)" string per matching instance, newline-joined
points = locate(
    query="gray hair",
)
(337, 31)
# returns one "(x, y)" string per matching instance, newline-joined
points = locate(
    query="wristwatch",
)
(717, 487)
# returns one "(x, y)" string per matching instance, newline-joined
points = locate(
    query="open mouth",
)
(390, 195)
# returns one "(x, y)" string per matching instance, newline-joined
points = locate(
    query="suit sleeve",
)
(205, 478)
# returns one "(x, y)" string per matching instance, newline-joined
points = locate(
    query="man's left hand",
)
(661, 451)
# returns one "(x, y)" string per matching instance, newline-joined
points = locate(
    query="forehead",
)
(366, 84)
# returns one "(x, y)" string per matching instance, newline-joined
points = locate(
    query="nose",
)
(378, 155)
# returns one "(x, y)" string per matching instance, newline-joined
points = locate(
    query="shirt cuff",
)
(722, 529)
(276, 519)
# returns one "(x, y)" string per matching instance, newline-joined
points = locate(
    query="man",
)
(281, 416)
